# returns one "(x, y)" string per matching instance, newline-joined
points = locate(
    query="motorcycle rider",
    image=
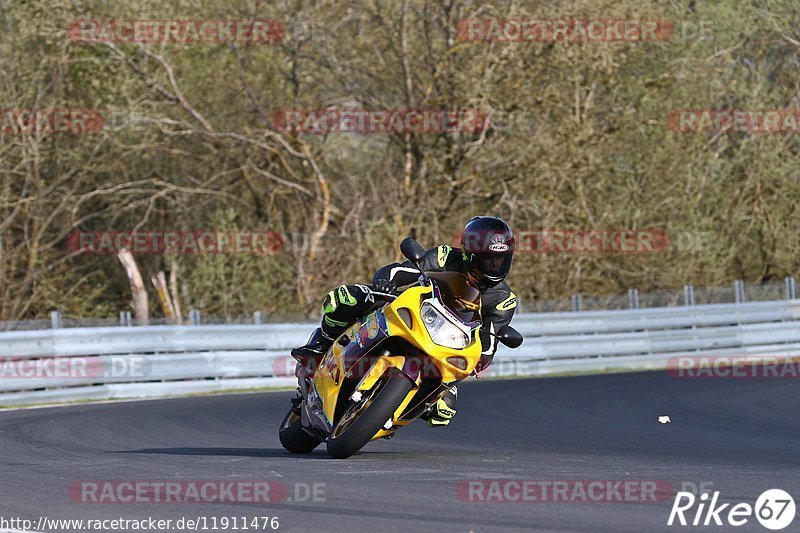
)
(487, 248)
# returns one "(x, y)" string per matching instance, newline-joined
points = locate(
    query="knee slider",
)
(344, 296)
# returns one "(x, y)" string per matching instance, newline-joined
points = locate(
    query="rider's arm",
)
(400, 273)
(497, 312)
(406, 273)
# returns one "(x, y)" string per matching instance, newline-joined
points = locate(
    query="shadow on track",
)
(237, 452)
(279, 453)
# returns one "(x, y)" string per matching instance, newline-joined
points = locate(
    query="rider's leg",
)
(341, 307)
(443, 411)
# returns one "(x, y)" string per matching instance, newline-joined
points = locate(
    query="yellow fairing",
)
(418, 336)
(378, 368)
(329, 377)
(323, 382)
(332, 366)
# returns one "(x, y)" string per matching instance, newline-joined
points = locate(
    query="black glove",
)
(483, 363)
(384, 285)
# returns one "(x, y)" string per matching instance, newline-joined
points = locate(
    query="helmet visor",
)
(492, 266)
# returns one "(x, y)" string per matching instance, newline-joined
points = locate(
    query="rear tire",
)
(360, 431)
(294, 438)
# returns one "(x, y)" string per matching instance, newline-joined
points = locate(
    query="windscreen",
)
(456, 292)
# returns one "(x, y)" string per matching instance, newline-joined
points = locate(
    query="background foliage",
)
(578, 140)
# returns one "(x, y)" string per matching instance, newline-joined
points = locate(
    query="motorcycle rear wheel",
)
(293, 438)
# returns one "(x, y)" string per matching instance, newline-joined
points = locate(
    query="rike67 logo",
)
(774, 509)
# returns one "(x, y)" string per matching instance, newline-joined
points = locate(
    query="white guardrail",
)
(73, 364)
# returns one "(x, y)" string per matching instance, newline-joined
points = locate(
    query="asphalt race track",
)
(741, 435)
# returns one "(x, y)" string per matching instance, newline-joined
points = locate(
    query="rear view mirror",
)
(412, 250)
(509, 336)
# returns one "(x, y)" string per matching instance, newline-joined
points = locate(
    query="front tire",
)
(363, 420)
(293, 438)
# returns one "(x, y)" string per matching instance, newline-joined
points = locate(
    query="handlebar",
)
(385, 295)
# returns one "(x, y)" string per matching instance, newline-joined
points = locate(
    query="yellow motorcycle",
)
(391, 366)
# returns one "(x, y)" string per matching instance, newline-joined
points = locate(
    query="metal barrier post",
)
(633, 298)
(688, 294)
(790, 290)
(125, 318)
(738, 288)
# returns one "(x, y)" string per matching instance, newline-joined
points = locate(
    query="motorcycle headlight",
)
(442, 331)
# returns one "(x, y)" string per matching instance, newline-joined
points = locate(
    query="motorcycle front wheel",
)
(362, 420)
